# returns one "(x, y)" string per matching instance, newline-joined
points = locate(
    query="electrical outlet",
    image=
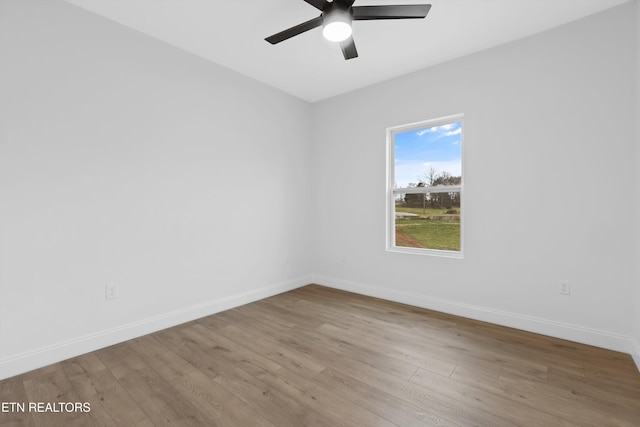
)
(565, 287)
(111, 291)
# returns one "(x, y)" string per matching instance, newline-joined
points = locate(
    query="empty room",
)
(323, 213)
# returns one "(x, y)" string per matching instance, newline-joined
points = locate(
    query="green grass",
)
(431, 234)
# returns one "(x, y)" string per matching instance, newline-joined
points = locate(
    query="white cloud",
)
(441, 131)
(424, 131)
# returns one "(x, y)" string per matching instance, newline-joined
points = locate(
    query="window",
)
(424, 212)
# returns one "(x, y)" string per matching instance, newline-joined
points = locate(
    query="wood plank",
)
(14, 396)
(218, 404)
(150, 391)
(54, 388)
(292, 359)
(476, 395)
(379, 401)
(271, 403)
(320, 400)
(448, 347)
(111, 404)
(408, 355)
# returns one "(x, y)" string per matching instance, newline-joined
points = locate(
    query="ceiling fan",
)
(337, 16)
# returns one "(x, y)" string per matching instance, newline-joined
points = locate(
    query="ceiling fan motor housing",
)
(337, 10)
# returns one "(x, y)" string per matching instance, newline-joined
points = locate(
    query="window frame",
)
(392, 192)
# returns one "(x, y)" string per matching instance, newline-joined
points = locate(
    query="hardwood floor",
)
(321, 357)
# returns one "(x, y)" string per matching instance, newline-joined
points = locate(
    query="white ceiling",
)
(231, 33)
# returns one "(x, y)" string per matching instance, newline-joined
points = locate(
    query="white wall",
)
(126, 160)
(548, 183)
(636, 335)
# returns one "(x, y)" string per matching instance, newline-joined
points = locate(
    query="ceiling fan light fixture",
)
(336, 25)
(337, 31)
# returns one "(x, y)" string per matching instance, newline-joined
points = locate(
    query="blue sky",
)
(417, 150)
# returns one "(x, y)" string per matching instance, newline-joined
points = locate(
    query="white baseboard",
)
(43, 356)
(552, 328)
(635, 352)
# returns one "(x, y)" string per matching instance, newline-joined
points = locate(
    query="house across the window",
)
(425, 187)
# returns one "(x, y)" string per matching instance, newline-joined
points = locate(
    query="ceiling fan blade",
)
(347, 3)
(362, 13)
(349, 48)
(294, 31)
(318, 4)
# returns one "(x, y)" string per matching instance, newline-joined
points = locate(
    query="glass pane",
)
(430, 156)
(429, 221)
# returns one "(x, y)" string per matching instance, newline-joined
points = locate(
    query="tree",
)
(415, 200)
(441, 200)
(429, 177)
